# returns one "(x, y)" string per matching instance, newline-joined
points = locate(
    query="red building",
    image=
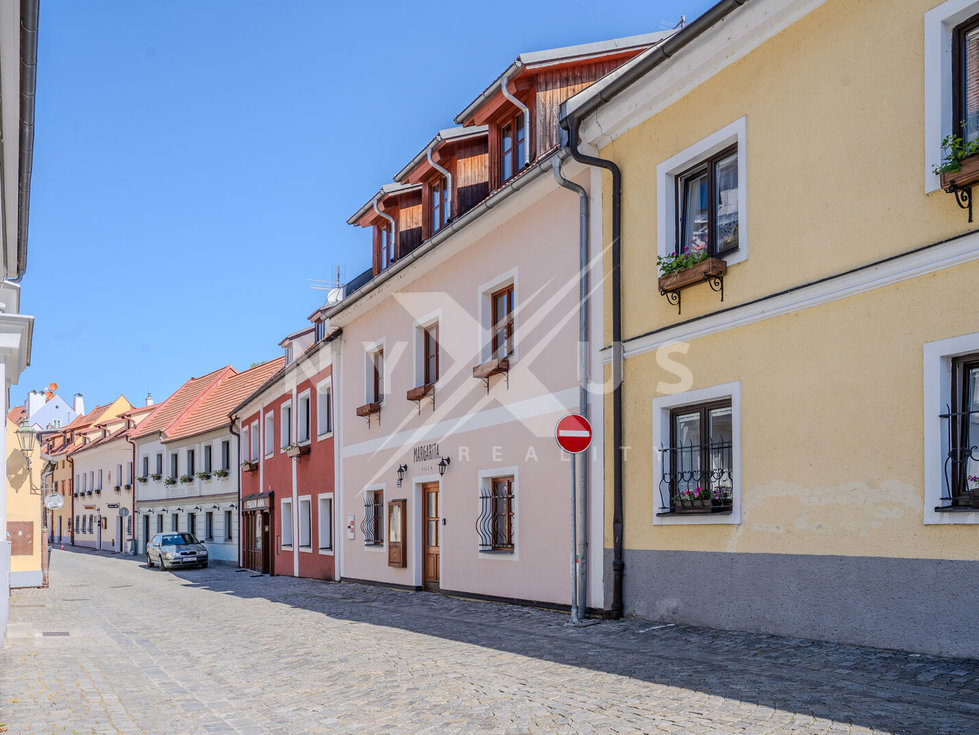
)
(287, 463)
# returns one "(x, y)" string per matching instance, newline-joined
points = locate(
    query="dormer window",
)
(320, 331)
(440, 205)
(288, 353)
(513, 146)
(386, 241)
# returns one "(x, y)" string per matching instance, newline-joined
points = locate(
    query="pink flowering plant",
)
(974, 481)
(702, 496)
(679, 261)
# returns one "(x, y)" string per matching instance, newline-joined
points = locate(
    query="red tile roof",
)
(89, 418)
(174, 408)
(212, 412)
(118, 433)
(16, 414)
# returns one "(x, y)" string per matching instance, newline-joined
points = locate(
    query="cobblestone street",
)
(221, 651)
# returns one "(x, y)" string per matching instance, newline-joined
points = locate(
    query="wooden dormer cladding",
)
(471, 182)
(409, 221)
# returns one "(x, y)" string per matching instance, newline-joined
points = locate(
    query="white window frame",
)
(940, 22)
(285, 514)
(306, 500)
(286, 425)
(937, 369)
(99, 476)
(245, 444)
(668, 171)
(228, 526)
(325, 386)
(420, 326)
(118, 476)
(129, 473)
(484, 298)
(381, 488)
(269, 423)
(485, 477)
(327, 526)
(254, 450)
(662, 405)
(304, 396)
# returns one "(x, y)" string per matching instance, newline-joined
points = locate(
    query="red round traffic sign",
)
(573, 433)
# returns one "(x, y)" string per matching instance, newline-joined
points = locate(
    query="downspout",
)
(71, 483)
(580, 509)
(504, 88)
(448, 180)
(28, 88)
(394, 227)
(237, 436)
(618, 564)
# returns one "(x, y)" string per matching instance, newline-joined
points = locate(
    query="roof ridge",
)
(199, 398)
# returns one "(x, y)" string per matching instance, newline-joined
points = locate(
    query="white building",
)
(18, 54)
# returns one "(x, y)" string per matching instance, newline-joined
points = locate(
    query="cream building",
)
(24, 511)
(819, 378)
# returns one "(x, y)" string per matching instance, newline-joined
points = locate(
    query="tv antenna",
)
(333, 288)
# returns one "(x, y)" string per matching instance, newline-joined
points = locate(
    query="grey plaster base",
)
(924, 605)
(33, 578)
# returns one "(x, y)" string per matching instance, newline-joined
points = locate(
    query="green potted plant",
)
(687, 266)
(220, 474)
(960, 162)
(204, 475)
(170, 481)
(144, 479)
(157, 477)
(294, 450)
(186, 479)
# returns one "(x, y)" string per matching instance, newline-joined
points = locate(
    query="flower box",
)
(220, 474)
(368, 409)
(249, 466)
(965, 176)
(204, 475)
(691, 505)
(187, 479)
(295, 450)
(117, 488)
(702, 271)
(493, 367)
(157, 477)
(417, 394)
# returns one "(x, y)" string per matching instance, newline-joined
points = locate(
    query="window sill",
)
(496, 552)
(285, 547)
(306, 549)
(374, 546)
(711, 512)
(955, 509)
(327, 435)
(326, 549)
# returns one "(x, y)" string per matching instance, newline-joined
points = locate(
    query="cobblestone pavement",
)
(221, 651)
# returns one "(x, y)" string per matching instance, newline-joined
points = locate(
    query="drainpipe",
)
(28, 88)
(504, 87)
(448, 180)
(132, 487)
(71, 484)
(238, 455)
(394, 227)
(572, 122)
(579, 510)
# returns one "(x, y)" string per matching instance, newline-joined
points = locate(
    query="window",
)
(159, 463)
(285, 428)
(84, 482)
(129, 473)
(373, 523)
(244, 447)
(253, 449)
(174, 522)
(325, 522)
(324, 408)
(397, 530)
(146, 466)
(495, 522)
(502, 310)
(385, 240)
(269, 434)
(288, 353)
(319, 331)
(430, 353)
(697, 472)
(99, 486)
(962, 427)
(192, 524)
(227, 525)
(159, 523)
(209, 526)
(76, 522)
(707, 205)
(965, 79)
(696, 462)
(702, 200)
(207, 458)
(512, 147)
(173, 465)
(440, 205)
(286, 539)
(305, 523)
(118, 475)
(226, 454)
(191, 463)
(91, 523)
(302, 419)
(375, 388)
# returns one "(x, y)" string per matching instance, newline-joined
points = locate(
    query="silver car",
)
(175, 550)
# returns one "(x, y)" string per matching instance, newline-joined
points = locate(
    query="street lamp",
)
(26, 439)
(443, 463)
(401, 473)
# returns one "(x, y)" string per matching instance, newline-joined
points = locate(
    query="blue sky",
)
(195, 163)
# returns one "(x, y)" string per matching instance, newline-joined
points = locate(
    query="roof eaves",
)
(386, 190)
(443, 136)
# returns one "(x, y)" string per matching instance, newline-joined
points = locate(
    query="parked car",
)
(175, 550)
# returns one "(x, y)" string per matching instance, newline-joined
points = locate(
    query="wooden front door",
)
(431, 536)
(257, 541)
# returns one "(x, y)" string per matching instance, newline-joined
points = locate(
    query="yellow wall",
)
(832, 397)
(23, 497)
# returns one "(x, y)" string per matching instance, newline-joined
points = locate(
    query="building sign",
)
(351, 527)
(113, 505)
(255, 503)
(425, 452)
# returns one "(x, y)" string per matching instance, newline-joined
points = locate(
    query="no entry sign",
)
(573, 433)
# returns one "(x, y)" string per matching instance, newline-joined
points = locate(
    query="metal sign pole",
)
(575, 620)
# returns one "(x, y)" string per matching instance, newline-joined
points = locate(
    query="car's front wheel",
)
(163, 564)
(149, 562)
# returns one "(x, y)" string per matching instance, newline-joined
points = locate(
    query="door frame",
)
(417, 525)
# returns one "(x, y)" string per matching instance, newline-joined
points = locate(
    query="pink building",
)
(460, 352)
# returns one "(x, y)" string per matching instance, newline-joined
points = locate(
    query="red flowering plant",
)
(679, 261)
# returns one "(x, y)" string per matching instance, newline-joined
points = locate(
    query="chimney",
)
(78, 405)
(35, 400)
(149, 399)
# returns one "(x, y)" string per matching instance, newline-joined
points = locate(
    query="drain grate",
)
(55, 633)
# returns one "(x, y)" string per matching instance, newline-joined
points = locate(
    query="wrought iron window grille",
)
(495, 522)
(959, 492)
(697, 478)
(373, 524)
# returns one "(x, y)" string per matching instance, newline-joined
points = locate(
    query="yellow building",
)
(24, 524)
(795, 450)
